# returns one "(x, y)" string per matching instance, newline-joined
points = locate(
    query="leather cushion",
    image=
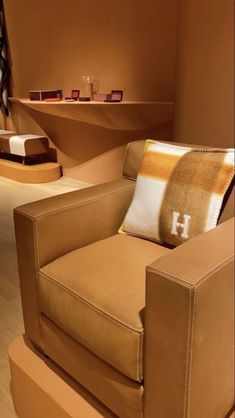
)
(97, 295)
(122, 395)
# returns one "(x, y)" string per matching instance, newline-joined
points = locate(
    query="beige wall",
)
(125, 44)
(130, 45)
(205, 73)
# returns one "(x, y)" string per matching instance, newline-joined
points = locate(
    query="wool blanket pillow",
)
(179, 192)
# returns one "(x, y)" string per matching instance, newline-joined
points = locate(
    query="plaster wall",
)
(153, 50)
(125, 44)
(204, 110)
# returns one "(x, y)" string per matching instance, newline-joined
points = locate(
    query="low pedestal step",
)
(24, 158)
(36, 173)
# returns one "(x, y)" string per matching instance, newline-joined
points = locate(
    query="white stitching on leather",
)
(137, 334)
(189, 352)
(200, 280)
(65, 208)
(36, 261)
(140, 359)
(92, 305)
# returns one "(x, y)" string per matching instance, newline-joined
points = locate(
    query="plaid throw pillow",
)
(179, 192)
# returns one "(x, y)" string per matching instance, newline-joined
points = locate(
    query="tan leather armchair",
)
(147, 330)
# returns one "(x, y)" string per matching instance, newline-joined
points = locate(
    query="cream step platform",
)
(38, 391)
(37, 173)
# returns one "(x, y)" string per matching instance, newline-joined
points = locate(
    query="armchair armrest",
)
(189, 329)
(52, 227)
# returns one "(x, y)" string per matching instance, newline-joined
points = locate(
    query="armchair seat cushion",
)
(96, 294)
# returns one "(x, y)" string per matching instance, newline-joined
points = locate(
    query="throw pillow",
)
(179, 192)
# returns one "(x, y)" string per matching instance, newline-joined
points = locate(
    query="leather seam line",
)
(37, 218)
(139, 362)
(129, 178)
(189, 351)
(36, 261)
(202, 278)
(89, 348)
(94, 307)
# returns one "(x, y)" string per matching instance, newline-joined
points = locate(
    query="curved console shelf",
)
(123, 116)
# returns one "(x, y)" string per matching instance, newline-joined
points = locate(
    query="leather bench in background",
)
(22, 145)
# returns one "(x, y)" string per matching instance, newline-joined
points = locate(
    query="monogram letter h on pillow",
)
(179, 192)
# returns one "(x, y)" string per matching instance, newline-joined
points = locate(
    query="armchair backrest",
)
(131, 166)
(132, 161)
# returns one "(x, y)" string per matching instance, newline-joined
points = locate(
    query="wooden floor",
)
(13, 194)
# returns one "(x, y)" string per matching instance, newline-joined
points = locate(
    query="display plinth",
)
(123, 116)
(39, 391)
(37, 173)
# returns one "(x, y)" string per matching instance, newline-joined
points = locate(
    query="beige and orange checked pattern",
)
(179, 192)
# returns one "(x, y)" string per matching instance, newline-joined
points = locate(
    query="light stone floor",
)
(13, 194)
